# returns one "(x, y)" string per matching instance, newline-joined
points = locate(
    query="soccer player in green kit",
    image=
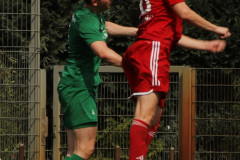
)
(78, 85)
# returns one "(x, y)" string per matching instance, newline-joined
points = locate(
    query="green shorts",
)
(78, 106)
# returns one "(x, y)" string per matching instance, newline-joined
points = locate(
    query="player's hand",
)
(216, 46)
(223, 32)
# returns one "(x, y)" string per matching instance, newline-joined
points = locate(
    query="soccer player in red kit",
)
(146, 62)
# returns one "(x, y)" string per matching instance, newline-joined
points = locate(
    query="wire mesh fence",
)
(216, 104)
(214, 117)
(217, 114)
(115, 114)
(19, 66)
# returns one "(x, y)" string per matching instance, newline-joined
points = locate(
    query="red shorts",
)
(146, 66)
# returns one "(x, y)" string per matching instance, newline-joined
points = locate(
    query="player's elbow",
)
(185, 15)
(103, 55)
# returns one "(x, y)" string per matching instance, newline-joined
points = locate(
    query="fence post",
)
(171, 153)
(117, 153)
(21, 151)
(186, 148)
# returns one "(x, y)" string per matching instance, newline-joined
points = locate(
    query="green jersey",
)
(81, 67)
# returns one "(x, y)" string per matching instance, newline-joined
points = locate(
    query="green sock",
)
(67, 158)
(76, 157)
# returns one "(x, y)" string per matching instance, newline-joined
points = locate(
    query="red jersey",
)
(158, 22)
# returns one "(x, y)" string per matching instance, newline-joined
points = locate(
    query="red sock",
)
(138, 139)
(152, 131)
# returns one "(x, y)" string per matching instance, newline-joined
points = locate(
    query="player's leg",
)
(79, 107)
(145, 70)
(71, 142)
(147, 108)
(84, 142)
(152, 131)
(147, 111)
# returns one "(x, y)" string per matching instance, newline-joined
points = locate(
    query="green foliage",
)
(219, 12)
(121, 12)
(115, 134)
(156, 146)
(236, 109)
(55, 17)
(218, 115)
(10, 22)
(10, 113)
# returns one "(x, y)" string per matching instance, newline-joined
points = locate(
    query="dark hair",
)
(88, 1)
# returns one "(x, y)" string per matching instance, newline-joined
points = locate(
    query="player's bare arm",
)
(191, 17)
(101, 49)
(213, 46)
(114, 29)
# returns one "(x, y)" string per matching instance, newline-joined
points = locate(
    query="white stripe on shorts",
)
(154, 62)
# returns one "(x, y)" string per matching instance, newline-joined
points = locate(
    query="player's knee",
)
(148, 118)
(87, 149)
(90, 150)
